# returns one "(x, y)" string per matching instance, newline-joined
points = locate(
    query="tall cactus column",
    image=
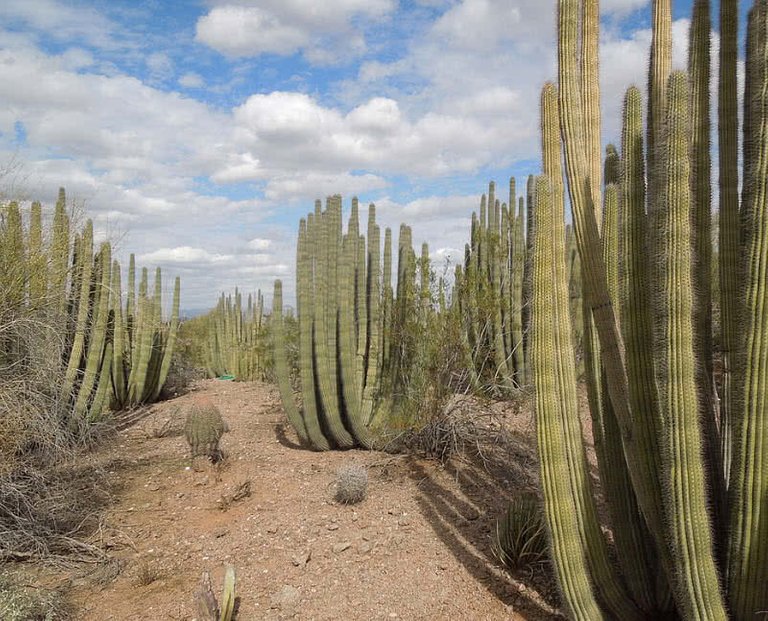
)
(281, 365)
(728, 230)
(593, 265)
(696, 580)
(356, 350)
(608, 588)
(305, 298)
(634, 296)
(748, 545)
(550, 363)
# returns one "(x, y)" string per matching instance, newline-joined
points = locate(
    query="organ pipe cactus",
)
(84, 258)
(281, 365)
(82, 387)
(690, 547)
(354, 354)
(237, 338)
(143, 342)
(37, 259)
(490, 293)
(96, 360)
(63, 278)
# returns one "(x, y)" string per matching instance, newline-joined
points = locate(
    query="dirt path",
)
(417, 548)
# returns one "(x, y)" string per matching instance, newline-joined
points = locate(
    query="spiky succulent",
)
(203, 429)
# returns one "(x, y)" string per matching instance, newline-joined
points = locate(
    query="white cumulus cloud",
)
(323, 30)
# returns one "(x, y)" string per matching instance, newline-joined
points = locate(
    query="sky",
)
(196, 134)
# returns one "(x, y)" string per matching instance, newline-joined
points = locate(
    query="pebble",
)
(341, 547)
(286, 599)
(301, 559)
(365, 547)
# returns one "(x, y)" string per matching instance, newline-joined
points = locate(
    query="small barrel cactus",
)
(203, 430)
(351, 484)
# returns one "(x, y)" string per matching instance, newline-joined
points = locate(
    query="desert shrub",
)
(181, 374)
(432, 366)
(351, 485)
(24, 603)
(47, 512)
(41, 507)
(520, 541)
(191, 341)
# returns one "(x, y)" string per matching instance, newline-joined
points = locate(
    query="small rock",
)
(333, 527)
(153, 487)
(365, 547)
(286, 599)
(301, 559)
(403, 521)
(341, 547)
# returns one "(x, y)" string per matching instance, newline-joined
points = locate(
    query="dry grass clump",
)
(25, 603)
(147, 573)
(49, 513)
(44, 503)
(464, 427)
(351, 484)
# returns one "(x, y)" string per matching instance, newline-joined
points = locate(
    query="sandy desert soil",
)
(417, 548)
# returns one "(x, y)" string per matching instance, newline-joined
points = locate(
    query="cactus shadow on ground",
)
(467, 533)
(495, 463)
(284, 440)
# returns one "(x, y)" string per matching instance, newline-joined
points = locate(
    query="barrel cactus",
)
(203, 430)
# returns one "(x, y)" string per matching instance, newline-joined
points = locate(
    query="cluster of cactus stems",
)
(236, 338)
(355, 331)
(144, 343)
(681, 450)
(111, 356)
(489, 292)
(492, 292)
